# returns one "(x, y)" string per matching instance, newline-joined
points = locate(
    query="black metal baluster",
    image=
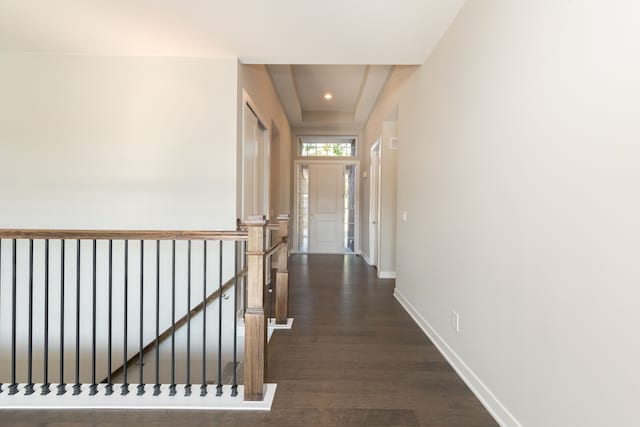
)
(45, 389)
(172, 387)
(1, 390)
(187, 387)
(219, 385)
(109, 387)
(156, 387)
(270, 283)
(61, 385)
(125, 384)
(93, 388)
(244, 253)
(76, 387)
(266, 285)
(13, 388)
(234, 386)
(140, 387)
(272, 297)
(203, 387)
(28, 389)
(244, 281)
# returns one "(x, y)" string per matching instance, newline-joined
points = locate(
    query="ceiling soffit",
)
(354, 90)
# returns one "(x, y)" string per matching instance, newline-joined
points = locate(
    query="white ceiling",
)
(256, 31)
(347, 33)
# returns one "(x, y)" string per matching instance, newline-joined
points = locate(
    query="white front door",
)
(326, 207)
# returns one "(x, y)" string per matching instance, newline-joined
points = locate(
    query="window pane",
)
(303, 208)
(327, 146)
(349, 207)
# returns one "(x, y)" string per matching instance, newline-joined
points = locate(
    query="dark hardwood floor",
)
(353, 358)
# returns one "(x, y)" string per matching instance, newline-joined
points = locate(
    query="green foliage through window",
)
(338, 147)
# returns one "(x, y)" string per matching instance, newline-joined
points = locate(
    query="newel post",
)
(282, 275)
(255, 337)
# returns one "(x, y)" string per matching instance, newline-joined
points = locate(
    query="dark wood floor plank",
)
(376, 417)
(353, 358)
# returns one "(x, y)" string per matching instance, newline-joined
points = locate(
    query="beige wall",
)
(255, 80)
(385, 111)
(388, 202)
(117, 142)
(519, 172)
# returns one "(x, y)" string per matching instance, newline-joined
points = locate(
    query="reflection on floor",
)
(353, 358)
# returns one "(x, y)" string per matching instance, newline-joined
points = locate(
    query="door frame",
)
(247, 103)
(294, 230)
(374, 227)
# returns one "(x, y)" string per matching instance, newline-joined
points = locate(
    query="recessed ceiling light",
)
(328, 96)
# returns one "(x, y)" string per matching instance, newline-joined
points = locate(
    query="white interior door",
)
(374, 202)
(255, 176)
(326, 207)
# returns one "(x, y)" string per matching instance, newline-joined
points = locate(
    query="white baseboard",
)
(271, 323)
(366, 258)
(386, 274)
(497, 410)
(225, 402)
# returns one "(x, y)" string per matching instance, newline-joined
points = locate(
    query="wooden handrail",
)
(270, 226)
(123, 234)
(180, 322)
(275, 248)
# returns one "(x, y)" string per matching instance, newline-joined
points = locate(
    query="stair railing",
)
(73, 301)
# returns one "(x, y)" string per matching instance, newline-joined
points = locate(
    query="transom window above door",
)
(327, 146)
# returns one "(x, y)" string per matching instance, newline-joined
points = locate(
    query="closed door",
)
(326, 207)
(374, 204)
(255, 177)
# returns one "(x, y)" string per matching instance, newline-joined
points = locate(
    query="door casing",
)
(343, 162)
(374, 203)
(256, 191)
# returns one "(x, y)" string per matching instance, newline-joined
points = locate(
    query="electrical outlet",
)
(455, 321)
(403, 216)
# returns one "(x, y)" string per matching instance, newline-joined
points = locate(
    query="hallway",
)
(353, 358)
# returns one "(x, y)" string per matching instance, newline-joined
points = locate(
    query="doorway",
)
(255, 164)
(326, 208)
(374, 204)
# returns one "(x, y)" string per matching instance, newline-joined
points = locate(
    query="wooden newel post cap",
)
(256, 220)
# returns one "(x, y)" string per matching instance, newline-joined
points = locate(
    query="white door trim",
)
(294, 229)
(374, 205)
(247, 103)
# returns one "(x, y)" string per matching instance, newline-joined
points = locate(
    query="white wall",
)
(519, 172)
(384, 112)
(112, 142)
(255, 80)
(115, 142)
(388, 200)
